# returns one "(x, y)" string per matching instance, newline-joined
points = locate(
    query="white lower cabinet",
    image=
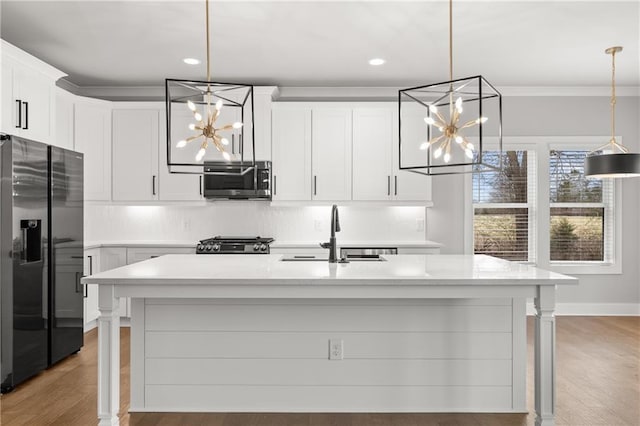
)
(91, 266)
(139, 254)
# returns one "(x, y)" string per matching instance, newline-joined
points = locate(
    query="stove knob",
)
(207, 248)
(216, 247)
(263, 248)
(256, 247)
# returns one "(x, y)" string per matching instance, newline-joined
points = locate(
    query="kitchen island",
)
(414, 333)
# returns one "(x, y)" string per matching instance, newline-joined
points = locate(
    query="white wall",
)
(196, 222)
(559, 116)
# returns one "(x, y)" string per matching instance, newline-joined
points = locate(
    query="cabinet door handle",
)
(200, 185)
(90, 265)
(315, 185)
(233, 144)
(395, 185)
(153, 184)
(275, 184)
(388, 185)
(26, 115)
(19, 104)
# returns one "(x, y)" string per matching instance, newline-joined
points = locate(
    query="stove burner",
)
(234, 245)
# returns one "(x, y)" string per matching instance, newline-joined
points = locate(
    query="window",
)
(581, 210)
(542, 209)
(503, 207)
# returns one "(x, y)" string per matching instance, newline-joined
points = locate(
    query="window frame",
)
(541, 146)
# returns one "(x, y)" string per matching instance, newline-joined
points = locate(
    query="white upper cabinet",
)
(331, 153)
(372, 153)
(407, 185)
(291, 153)
(140, 171)
(135, 154)
(64, 118)
(92, 134)
(28, 86)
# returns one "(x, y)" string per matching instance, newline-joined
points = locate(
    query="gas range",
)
(234, 245)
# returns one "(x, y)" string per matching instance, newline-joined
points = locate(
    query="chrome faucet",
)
(335, 227)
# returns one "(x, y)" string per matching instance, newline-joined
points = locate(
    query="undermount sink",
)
(324, 259)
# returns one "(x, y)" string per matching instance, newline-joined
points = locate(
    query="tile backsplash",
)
(299, 223)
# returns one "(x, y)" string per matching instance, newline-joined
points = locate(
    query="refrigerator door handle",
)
(78, 285)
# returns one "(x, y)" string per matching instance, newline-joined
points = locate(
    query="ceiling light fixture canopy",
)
(444, 126)
(612, 160)
(209, 121)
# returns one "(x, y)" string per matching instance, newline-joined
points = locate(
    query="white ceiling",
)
(323, 43)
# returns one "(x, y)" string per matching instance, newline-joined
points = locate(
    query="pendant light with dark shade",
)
(612, 160)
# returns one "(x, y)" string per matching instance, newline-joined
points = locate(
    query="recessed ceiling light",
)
(191, 61)
(376, 61)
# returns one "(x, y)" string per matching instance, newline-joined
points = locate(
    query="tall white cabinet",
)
(291, 154)
(92, 136)
(331, 154)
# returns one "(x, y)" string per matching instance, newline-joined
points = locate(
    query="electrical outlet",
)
(419, 224)
(317, 225)
(186, 224)
(336, 349)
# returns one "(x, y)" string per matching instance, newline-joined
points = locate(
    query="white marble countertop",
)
(270, 270)
(275, 244)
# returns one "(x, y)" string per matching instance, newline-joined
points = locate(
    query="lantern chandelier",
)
(205, 115)
(612, 160)
(453, 116)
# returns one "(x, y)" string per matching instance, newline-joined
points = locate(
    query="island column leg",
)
(545, 346)
(108, 356)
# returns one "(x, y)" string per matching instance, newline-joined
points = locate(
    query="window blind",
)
(503, 207)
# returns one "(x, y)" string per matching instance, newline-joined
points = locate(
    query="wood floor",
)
(598, 362)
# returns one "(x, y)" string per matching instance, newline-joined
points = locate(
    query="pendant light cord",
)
(450, 40)
(208, 67)
(613, 96)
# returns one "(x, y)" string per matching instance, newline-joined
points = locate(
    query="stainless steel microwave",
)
(237, 181)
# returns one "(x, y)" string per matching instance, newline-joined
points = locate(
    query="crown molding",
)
(291, 94)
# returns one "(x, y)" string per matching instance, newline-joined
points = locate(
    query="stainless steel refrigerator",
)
(41, 257)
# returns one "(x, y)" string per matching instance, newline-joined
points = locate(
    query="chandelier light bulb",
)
(197, 116)
(181, 144)
(237, 125)
(192, 126)
(424, 146)
(200, 154)
(459, 105)
(469, 153)
(429, 120)
(481, 120)
(224, 141)
(219, 104)
(459, 139)
(433, 108)
(447, 157)
(226, 156)
(437, 153)
(191, 106)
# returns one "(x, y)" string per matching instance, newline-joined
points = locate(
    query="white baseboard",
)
(593, 309)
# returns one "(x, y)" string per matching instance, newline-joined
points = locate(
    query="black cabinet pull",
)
(90, 265)
(395, 185)
(19, 102)
(233, 144)
(26, 115)
(388, 185)
(153, 185)
(200, 185)
(275, 184)
(315, 185)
